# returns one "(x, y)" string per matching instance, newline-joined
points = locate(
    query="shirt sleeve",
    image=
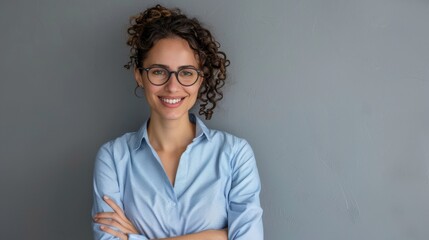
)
(105, 183)
(244, 210)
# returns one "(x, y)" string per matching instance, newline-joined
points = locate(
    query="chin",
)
(172, 115)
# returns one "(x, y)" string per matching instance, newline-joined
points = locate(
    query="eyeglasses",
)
(185, 76)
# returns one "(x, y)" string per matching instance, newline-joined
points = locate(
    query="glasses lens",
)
(157, 75)
(188, 76)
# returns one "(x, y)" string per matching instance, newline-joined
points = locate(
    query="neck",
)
(170, 135)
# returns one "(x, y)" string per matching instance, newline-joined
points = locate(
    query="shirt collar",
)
(201, 131)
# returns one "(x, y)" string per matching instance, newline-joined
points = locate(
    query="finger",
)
(110, 231)
(124, 220)
(114, 206)
(111, 216)
(113, 223)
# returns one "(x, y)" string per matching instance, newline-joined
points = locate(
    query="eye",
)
(187, 72)
(158, 72)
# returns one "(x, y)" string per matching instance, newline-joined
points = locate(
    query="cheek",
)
(150, 91)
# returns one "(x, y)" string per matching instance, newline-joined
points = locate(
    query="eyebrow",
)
(167, 67)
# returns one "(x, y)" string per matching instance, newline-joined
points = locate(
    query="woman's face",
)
(170, 101)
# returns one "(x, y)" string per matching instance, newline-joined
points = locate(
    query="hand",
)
(115, 219)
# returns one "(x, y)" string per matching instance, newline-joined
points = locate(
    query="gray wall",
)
(333, 96)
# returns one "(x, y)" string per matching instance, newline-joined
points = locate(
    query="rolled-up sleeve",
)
(244, 209)
(105, 183)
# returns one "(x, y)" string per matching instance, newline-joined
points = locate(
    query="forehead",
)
(171, 52)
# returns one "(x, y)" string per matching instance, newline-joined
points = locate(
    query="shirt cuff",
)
(137, 237)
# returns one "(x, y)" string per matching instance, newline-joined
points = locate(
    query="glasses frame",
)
(176, 73)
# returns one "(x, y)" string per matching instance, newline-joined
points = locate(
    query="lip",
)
(171, 102)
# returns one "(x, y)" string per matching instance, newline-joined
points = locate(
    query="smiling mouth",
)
(171, 100)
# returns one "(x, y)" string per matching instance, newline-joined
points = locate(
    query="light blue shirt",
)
(217, 186)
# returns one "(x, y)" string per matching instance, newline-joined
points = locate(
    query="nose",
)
(172, 84)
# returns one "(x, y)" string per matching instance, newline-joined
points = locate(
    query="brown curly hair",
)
(159, 22)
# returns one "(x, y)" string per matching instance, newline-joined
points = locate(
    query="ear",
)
(138, 77)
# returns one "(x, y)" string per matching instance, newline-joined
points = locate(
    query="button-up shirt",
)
(216, 186)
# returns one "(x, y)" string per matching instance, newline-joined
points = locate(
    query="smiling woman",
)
(167, 98)
(175, 178)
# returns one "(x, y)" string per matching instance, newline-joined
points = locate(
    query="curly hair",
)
(159, 22)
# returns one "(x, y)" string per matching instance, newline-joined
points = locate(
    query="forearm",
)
(204, 235)
(244, 211)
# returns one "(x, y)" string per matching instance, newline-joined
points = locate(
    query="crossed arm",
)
(118, 220)
(244, 211)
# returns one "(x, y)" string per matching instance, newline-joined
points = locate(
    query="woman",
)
(175, 178)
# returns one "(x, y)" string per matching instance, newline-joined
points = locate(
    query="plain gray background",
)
(332, 95)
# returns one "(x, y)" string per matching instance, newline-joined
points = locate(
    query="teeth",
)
(171, 101)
